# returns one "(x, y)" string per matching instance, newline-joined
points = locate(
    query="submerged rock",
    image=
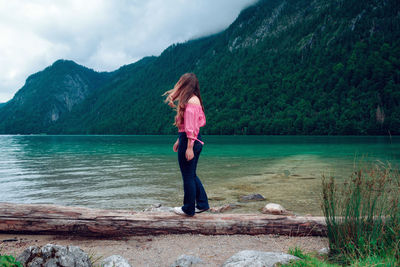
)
(273, 208)
(186, 261)
(54, 256)
(158, 208)
(224, 208)
(252, 197)
(115, 261)
(258, 258)
(221, 208)
(216, 198)
(286, 173)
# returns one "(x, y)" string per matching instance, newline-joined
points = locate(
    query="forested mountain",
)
(47, 95)
(282, 67)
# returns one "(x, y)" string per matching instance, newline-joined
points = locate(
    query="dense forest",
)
(322, 67)
(47, 96)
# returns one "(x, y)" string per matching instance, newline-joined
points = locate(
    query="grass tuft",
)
(308, 260)
(363, 214)
(9, 261)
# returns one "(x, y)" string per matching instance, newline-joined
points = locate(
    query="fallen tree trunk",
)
(52, 219)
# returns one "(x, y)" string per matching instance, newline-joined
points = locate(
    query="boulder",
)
(186, 261)
(273, 208)
(54, 256)
(115, 261)
(258, 259)
(252, 197)
(27, 253)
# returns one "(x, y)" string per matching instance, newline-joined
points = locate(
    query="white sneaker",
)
(196, 210)
(179, 211)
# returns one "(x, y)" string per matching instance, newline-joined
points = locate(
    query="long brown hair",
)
(184, 89)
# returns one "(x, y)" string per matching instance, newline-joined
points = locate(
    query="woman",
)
(189, 118)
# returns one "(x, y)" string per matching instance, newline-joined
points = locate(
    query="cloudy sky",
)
(100, 34)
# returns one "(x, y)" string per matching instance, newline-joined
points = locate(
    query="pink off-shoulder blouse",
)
(193, 119)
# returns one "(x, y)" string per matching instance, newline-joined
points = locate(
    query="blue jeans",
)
(193, 188)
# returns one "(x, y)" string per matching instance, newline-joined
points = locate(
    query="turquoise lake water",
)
(134, 172)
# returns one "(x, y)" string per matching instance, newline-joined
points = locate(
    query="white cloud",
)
(100, 34)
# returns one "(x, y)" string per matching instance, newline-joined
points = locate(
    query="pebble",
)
(187, 261)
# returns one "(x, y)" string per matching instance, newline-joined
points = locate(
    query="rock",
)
(323, 251)
(115, 261)
(38, 262)
(273, 208)
(252, 197)
(258, 259)
(54, 256)
(186, 261)
(26, 254)
(221, 208)
(158, 208)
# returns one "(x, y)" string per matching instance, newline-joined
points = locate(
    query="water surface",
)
(134, 172)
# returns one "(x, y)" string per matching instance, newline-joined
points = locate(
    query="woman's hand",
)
(176, 145)
(189, 153)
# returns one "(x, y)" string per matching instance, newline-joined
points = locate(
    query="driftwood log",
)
(53, 219)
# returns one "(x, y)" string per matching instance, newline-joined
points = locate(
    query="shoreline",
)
(155, 238)
(163, 250)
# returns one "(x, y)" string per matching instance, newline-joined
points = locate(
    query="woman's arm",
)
(191, 127)
(189, 150)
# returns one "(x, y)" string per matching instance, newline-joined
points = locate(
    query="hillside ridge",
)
(282, 67)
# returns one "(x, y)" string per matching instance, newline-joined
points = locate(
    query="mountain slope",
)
(47, 95)
(282, 67)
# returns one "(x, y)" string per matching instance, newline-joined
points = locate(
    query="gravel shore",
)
(164, 249)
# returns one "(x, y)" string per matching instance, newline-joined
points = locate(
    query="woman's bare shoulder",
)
(194, 100)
